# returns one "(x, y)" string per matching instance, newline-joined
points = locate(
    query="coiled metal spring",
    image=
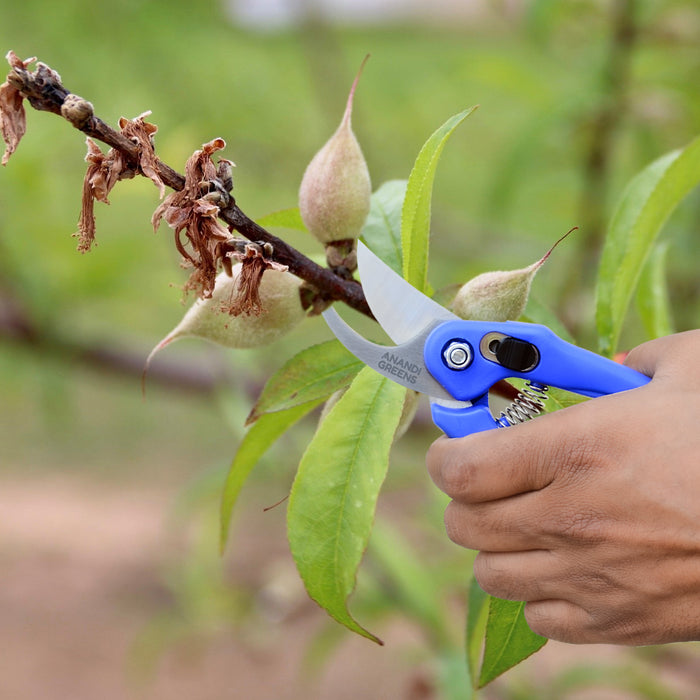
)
(527, 404)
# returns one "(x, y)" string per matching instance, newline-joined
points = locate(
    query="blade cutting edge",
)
(402, 311)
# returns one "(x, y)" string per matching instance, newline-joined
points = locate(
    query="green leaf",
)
(559, 398)
(254, 444)
(645, 206)
(652, 295)
(415, 217)
(477, 614)
(333, 499)
(382, 230)
(315, 373)
(285, 218)
(508, 639)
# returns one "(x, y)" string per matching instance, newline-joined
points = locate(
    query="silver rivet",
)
(458, 355)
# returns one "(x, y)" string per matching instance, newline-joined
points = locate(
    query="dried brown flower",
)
(194, 211)
(13, 119)
(141, 133)
(105, 170)
(247, 292)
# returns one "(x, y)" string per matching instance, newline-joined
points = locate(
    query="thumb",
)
(672, 355)
(495, 464)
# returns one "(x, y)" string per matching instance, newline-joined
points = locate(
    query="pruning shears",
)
(456, 362)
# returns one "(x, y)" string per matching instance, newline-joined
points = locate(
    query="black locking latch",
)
(518, 355)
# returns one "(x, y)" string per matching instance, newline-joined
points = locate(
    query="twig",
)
(45, 92)
(17, 327)
(596, 165)
(597, 158)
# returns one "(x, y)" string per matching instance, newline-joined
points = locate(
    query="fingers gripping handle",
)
(560, 364)
(594, 376)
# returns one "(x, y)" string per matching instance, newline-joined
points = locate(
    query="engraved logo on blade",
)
(396, 366)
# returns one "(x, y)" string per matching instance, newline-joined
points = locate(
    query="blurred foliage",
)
(512, 181)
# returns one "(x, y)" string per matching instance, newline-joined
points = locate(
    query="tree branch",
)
(17, 327)
(45, 92)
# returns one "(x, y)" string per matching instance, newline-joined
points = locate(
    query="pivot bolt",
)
(457, 354)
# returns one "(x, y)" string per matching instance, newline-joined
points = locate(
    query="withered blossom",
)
(105, 170)
(247, 292)
(13, 119)
(141, 133)
(192, 211)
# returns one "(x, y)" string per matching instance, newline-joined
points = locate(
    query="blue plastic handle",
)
(458, 422)
(560, 364)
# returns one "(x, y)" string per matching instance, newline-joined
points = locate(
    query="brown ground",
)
(83, 572)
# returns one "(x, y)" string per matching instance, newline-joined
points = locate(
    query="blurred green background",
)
(575, 98)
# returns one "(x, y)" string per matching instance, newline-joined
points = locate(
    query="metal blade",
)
(402, 311)
(402, 364)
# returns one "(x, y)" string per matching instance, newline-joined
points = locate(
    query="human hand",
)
(591, 514)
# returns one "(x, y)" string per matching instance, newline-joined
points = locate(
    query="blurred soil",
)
(82, 576)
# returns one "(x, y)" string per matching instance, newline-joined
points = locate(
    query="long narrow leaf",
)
(476, 629)
(382, 230)
(333, 499)
(645, 206)
(415, 217)
(508, 639)
(253, 446)
(314, 373)
(653, 297)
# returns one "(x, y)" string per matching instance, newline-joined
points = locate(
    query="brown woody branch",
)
(16, 326)
(45, 92)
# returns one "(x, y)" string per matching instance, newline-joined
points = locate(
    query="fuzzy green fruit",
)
(206, 319)
(335, 191)
(495, 296)
(498, 296)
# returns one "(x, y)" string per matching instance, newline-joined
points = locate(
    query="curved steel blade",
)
(402, 364)
(402, 311)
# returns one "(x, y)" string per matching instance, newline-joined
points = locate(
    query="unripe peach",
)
(495, 296)
(334, 196)
(208, 319)
(498, 296)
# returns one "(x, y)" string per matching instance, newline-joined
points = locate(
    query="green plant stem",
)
(597, 159)
(611, 110)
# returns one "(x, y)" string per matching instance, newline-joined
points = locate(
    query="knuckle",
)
(454, 478)
(553, 620)
(457, 525)
(495, 580)
(434, 459)
(446, 468)
(539, 619)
